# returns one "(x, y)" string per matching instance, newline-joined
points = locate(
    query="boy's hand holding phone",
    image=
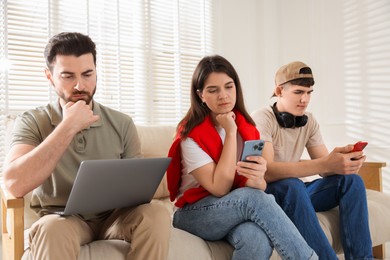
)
(358, 147)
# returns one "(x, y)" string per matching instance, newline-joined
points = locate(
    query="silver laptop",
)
(117, 183)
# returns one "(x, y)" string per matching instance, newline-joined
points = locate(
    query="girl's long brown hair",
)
(198, 111)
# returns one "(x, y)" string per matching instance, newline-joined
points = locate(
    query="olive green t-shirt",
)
(113, 136)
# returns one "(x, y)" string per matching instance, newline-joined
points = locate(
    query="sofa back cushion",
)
(155, 142)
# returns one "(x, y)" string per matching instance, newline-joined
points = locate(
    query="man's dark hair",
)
(68, 43)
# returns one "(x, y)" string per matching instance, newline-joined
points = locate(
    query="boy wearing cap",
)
(328, 180)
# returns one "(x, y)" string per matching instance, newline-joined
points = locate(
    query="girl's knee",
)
(255, 197)
(250, 194)
(250, 240)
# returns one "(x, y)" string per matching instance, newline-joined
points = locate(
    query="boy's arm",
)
(338, 161)
(282, 170)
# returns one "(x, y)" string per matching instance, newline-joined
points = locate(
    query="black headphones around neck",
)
(288, 120)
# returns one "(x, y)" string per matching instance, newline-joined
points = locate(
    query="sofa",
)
(156, 140)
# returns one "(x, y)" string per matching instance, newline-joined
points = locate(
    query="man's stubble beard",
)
(87, 100)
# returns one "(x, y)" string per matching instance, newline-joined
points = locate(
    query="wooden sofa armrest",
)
(371, 173)
(12, 212)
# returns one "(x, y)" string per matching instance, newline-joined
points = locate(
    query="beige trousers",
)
(147, 228)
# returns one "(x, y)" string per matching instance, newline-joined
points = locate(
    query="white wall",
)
(260, 36)
(340, 40)
(347, 45)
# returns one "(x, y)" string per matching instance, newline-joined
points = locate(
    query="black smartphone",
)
(252, 147)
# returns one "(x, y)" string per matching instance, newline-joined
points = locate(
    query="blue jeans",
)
(301, 201)
(250, 220)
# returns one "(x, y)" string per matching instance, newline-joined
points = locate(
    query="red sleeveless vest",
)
(207, 137)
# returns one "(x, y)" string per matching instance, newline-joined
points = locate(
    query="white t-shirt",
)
(194, 157)
(289, 143)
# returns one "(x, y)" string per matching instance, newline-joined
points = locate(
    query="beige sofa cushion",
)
(155, 142)
(379, 212)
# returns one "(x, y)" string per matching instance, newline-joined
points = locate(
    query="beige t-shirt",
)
(289, 143)
(113, 136)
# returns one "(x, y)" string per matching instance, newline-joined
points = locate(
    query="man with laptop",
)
(47, 147)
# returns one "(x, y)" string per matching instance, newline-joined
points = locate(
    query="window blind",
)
(3, 69)
(147, 52)
(367, 76)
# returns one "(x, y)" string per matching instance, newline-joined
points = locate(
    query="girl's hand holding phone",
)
(252, 147)
(252, 165)
(254, 171)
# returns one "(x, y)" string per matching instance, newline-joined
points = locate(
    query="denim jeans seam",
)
(258, 221)
(230, 203)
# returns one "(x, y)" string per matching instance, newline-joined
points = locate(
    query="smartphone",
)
(359, 146)
(252, 147)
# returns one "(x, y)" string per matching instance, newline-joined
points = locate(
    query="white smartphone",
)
(252, 147)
